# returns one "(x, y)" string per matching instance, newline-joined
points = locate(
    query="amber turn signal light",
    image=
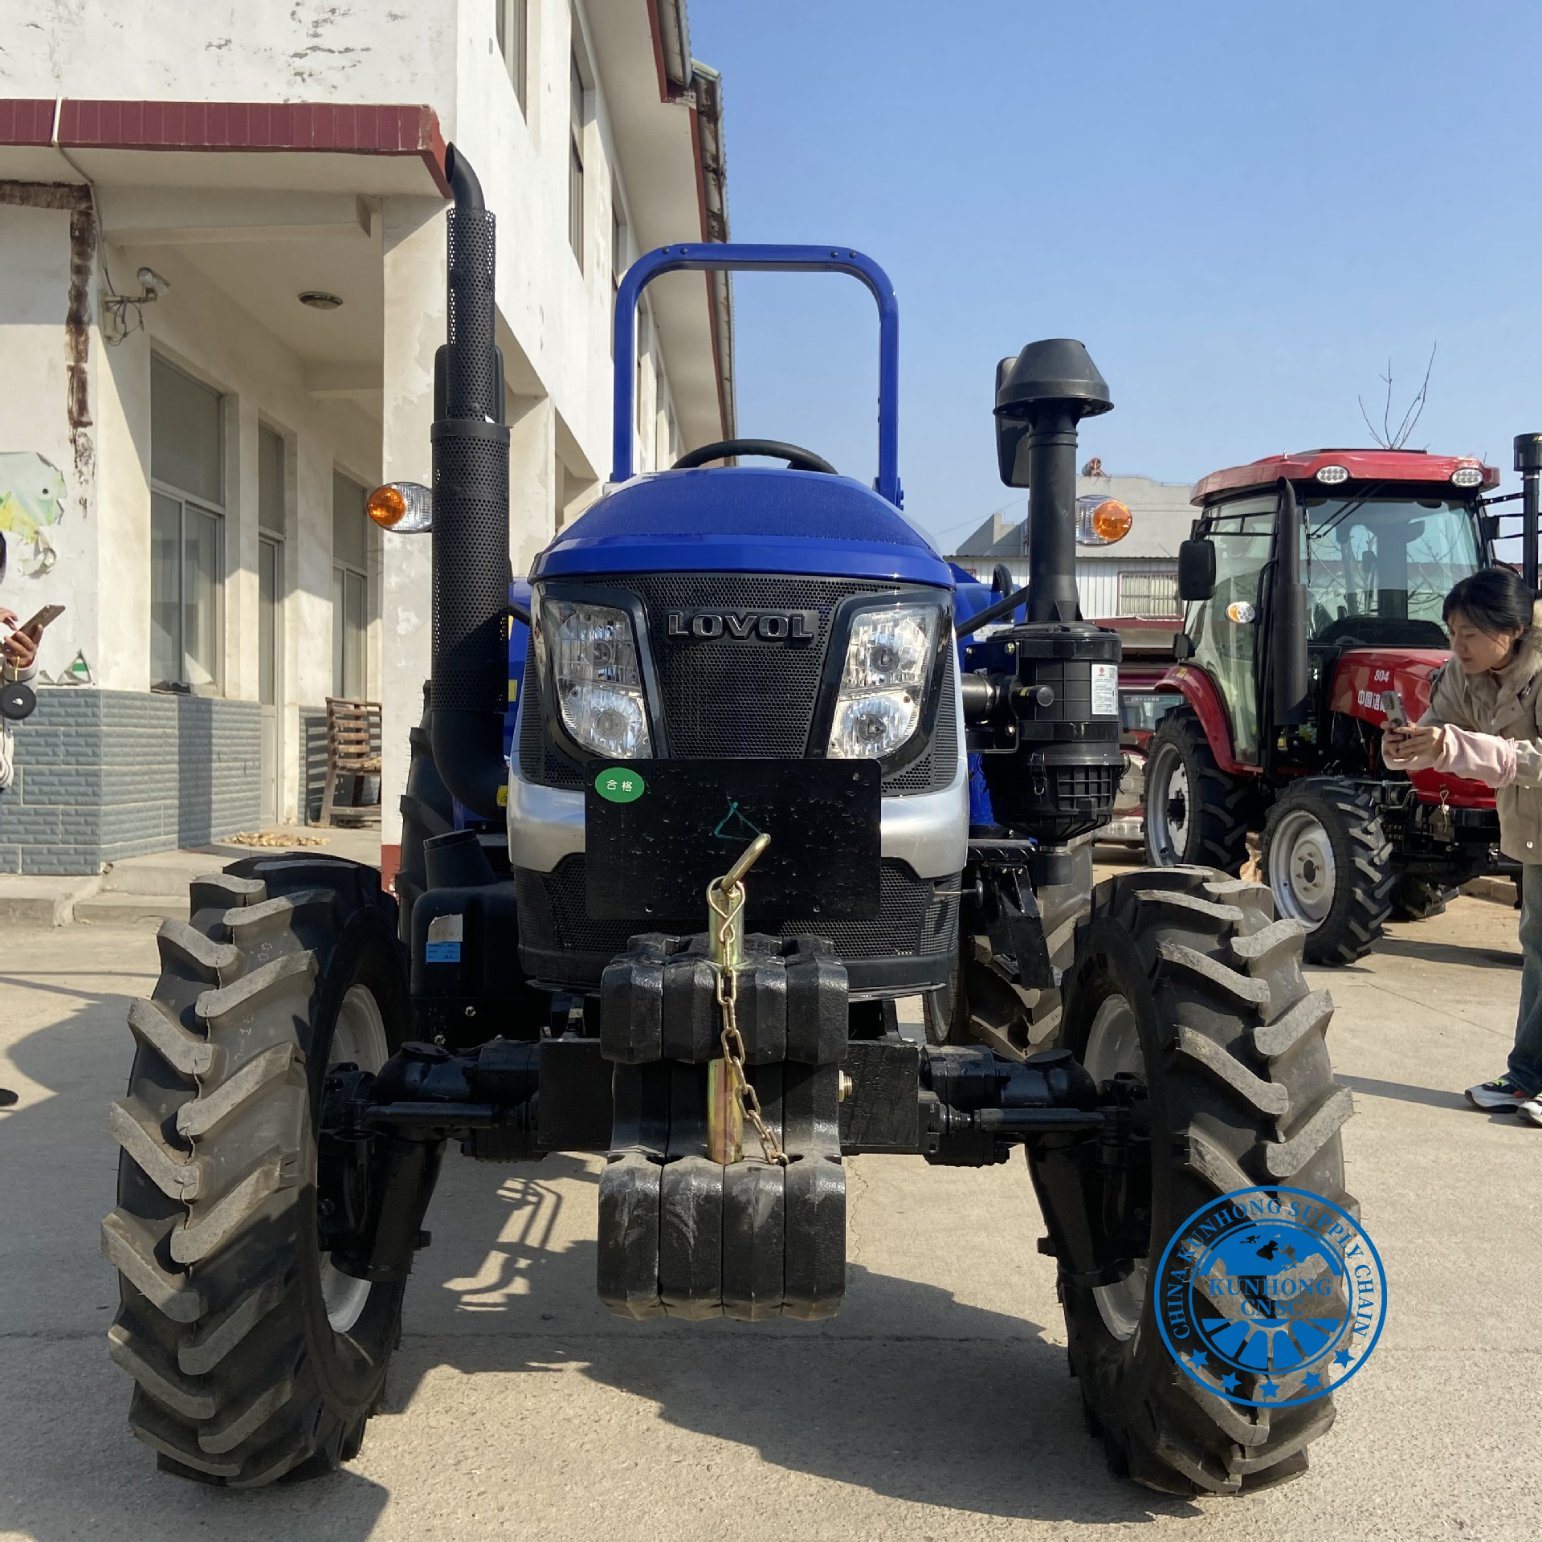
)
(407, 508)
(1111, 520)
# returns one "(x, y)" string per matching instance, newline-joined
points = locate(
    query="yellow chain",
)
(731, 1039)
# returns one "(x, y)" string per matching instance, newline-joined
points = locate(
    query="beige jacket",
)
(1507, 704)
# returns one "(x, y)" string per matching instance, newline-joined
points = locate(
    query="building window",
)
(270, 561)
(660, 420)
(351, 529)
(1149, 594)
(617, 256)
(514, 43)
(644, 349)
(187, 508)
(576, 162)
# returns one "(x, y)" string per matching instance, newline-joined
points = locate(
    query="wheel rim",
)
(1167, 805)
(359, 1039)
(1113, 1045)
(1301, 869)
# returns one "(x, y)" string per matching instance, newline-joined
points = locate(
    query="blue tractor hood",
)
(744, 520)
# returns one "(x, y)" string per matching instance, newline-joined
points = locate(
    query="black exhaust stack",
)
(471, 515)
(1528, 461)
(1042, 395)
(1047, 720)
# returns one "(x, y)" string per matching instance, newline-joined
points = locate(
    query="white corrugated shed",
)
(1136, 577)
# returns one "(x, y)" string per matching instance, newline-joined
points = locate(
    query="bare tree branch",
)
(1369, 425)
(1416, 406)
(1386, 437)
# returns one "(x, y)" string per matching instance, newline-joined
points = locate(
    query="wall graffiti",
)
(32, 497)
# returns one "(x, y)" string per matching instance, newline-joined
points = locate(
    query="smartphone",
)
(44, 618)
(1396, 712)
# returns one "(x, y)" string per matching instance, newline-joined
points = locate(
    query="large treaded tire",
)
(1418, 899)
(1216, 805)
(222, 1323)
(945, 1012)
(1362, 860)
(1241, 1093)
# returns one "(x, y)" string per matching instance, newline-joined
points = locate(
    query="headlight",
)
(592, 656)
(888, 665)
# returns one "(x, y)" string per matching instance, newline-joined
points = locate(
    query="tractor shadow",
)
(907, 1393)
(1405, 1092)
(1428, 951)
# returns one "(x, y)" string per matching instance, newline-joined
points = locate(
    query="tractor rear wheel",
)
(253, 1356)
(1186, 980)
(1417, 899)
(1196, 814)
(1328, 862)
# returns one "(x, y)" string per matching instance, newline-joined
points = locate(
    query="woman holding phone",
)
(1485, 722)
(18, 663)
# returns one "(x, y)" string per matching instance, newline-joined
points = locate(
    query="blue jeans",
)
(1526, 1057)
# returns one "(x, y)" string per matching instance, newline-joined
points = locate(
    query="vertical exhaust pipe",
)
(471, 515)
(1051, 386)
(1528, 461)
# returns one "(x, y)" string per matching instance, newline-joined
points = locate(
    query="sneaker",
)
(1531, 1110)
(1498, 1095)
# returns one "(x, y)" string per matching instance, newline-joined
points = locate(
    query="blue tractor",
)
(745, 764)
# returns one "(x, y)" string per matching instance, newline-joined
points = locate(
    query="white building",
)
(223, 235)
(1137, 576)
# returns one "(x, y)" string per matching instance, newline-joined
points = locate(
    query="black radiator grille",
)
(742, 700)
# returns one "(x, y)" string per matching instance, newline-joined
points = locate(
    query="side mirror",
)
(1010, 436)
(1196, 570)
(1183, 646)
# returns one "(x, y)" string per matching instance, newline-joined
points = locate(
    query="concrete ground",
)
(936, 1405)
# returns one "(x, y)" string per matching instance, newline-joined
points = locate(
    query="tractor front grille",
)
(731, 701)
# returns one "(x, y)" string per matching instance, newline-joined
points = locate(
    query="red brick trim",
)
(328, 127)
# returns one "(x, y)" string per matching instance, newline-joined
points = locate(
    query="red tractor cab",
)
(1314, 585)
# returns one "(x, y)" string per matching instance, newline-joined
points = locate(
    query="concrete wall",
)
(302, 50)
(103, 775)
(48, 506)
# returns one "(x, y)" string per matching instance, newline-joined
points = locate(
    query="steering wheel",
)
(797, 460)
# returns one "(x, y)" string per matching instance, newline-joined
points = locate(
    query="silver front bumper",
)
(929, 830)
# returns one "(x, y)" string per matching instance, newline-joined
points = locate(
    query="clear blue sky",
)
(1242, 209)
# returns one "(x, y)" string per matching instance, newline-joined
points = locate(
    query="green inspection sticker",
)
(619, 785)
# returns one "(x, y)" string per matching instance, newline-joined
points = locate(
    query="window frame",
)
(578, 119)
(218, 514)
(511, 28)
(1149, 577)
(342, 571)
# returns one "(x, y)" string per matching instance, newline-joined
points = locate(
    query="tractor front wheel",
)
(1417, 899)
(1185, 980)
(1196, 814)
(1328, 862)
(253, 1356)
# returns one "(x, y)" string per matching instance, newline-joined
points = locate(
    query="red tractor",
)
(1314, 584)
